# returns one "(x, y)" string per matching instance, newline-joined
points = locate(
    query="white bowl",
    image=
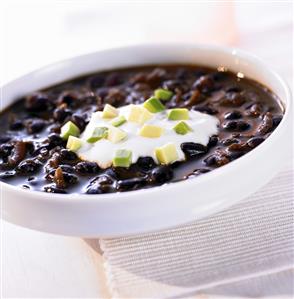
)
(126, 213)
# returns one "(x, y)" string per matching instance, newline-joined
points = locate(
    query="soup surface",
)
(198, 119)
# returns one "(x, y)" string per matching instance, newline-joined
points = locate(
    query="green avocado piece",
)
(166, 154)
(118, 121)
(163, 94)
(153, 105)
(69, 129)
(178, 114)
(98, 133)
(182, 128)
(122, 158)
(74, 143)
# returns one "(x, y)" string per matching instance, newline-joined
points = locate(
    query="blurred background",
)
(35, 33)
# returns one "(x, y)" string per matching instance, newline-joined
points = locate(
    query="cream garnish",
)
(203, 126)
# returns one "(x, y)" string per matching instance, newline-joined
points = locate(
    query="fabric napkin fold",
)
(252, 238)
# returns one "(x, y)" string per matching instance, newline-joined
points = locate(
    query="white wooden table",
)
(38, 265)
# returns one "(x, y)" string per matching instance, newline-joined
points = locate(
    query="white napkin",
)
(252, 238)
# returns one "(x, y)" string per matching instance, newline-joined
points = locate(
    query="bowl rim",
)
(129, 196)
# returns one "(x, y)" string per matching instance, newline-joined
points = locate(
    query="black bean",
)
(235, 155)
(206, 109)
(95, 189)
(254, 110)
(146, 163)
(235, 114)
(277, 119)
(53, 189)
(173, 85)
(195, 97)
(68, 155)
(101, 184)
(236, 125)
(230, 141)
(67, 168)
(41, 150)
(55, 140)
(16, 125)
(204, 84)
(60, 114)
(161, 174)
(87, 168)
(55, 128)
(70, 179)
(37, 102)
(138, 78)
(129, 184)
(28, 166)
(266, 124)
(102, 179)
(216, 159)
(70, 98)
(112, 173)
(192, 149)
(7, 174)
(35, 126)
(156, 77)
(115, 97)
(79, 121)
(102, 92)
(233, 99)
(213, 140)
(237, 147)
(5, 150)
(254, 141)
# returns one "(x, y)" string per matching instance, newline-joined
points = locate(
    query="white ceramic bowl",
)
(161, 207)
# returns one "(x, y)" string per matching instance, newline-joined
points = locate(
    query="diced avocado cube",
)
(139, 114)
(115, 134)
(153, 105)
(166, 154)
(109, 111)
(97, 134)
(118, 121)
(178, 114)
(122, 158)
(74, 143)
(151, 131)
(182, 128)
(163, 94)
(69, 129)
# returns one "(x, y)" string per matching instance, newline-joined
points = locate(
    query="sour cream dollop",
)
(102, 152)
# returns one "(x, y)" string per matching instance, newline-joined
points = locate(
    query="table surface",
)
(39, 265)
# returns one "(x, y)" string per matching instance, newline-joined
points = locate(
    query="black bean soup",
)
(34, 156)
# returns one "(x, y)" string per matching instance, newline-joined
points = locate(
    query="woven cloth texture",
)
(252, 238)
